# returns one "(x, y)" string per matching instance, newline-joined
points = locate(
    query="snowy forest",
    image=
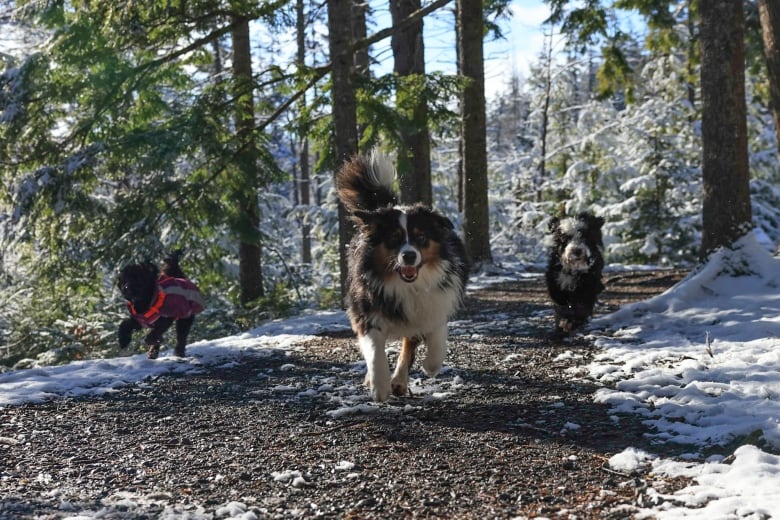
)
(125, 127)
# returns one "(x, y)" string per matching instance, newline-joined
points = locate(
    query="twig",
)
(613, 472)
(708, 339)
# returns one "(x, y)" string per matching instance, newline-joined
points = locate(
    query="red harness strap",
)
(154, 309)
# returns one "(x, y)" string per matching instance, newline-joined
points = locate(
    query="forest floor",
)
(520, 438)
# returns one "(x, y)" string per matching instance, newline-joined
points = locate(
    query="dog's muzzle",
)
(408, 263)
(576, 257)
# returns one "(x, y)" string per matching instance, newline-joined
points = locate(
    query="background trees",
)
(131, 129)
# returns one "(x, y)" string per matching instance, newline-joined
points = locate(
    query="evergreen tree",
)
(116, 145)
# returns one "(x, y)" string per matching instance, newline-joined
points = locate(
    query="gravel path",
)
(509, 430)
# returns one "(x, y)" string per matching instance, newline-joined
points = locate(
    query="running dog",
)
(407, 274)
(574, 268)
(157, 300)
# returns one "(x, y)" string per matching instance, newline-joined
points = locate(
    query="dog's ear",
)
(173, 257)
(599, 221)
(152, 269)
(365, 220)
(443, 221)
(553, 225)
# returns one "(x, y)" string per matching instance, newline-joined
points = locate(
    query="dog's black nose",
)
(409, 257)
(576, 252)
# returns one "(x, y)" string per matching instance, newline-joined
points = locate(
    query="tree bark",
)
(344, 106)
(726, 212)
(459, 165)
(473, 131)
(414, 163)
(361, 56)
(769, 14)
(304, 184)
(249, 251)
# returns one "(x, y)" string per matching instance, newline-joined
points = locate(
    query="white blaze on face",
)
(576, 255)
(409, 258)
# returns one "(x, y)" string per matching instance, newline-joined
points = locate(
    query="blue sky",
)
(524, 40)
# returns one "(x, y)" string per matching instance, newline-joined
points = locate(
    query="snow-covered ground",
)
(700, 362)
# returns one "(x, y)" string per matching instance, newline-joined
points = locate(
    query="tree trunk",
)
(690, 52)
(475, 200)
(459, 165)
(726, 212)
(249, 251)
(542, 169)
(303, 187)
(769, 13)
(361, 57)
(344, 108)
(414, 163)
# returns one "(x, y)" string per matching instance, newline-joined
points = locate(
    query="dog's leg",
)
(154, 338)
(436, 350)
(562, 319)
(372, 345)
(126, 329)
(400, 381)
(182, 332)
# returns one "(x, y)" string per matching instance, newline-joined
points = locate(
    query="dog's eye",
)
(420, 237)
(395, 238)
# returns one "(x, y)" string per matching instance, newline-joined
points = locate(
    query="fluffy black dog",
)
(574, 268)
(157, 300)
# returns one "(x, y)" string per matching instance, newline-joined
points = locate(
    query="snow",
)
(700, 363)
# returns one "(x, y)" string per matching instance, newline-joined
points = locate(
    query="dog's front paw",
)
(399, 387)
(432, 366)
(566, 326)
(153, 352)
(380, 394)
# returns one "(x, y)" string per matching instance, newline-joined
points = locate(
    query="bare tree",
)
(414, 164)
(726, 211)
(542, 167)
(476, 226)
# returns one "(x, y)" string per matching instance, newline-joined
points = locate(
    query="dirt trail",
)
(511, 432)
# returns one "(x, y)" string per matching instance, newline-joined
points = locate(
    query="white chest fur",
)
(426, 305)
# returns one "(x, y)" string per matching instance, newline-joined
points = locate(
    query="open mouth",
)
(408, 273)
(576, 264)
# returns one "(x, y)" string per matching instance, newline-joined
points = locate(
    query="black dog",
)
(156, 300)
(574, 268)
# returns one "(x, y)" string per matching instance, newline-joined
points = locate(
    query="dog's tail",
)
(170, 265)
(365, 183)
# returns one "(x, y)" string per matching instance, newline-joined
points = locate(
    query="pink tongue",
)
(408, 271)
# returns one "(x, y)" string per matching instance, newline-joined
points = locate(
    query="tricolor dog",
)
(407, 274)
